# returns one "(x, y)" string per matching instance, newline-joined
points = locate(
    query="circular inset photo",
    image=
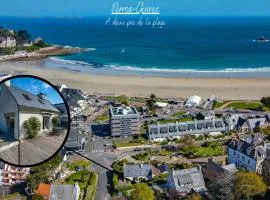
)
(34, 120)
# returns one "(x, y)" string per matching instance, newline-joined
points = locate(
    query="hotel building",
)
(124, 121)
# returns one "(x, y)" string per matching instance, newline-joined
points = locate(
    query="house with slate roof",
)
(214, 171)
(140, 171)
(257, 122)
(248, 154)
(17, 106)
(186, 180)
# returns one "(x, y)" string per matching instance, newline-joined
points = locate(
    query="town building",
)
(254, 123)
(17, 106)
(76, 141)
(7, 42)
(159, 132)
(266, 165)
(243, 123)
(74, 97)
(186, 180)
(11, 175)
(248, 154)
(205, 115)
(138, 172)
(59, 191)
(193, 101)
(124, 121)
(214, 171)
(4, 76)
(234, 121)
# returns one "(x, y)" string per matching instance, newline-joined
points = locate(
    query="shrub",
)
(32, 126)
(55, 121)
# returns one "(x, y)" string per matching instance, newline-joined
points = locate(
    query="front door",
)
(46, 122)
(10, 125)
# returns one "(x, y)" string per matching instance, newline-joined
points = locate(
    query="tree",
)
(37, 197)
(42, 173)
(194, 196)
(32, 126)
(22, 36)
(266, 101)
(249, 185)
(123, 99)
(223, 188)
(143, 192)
(153, 96)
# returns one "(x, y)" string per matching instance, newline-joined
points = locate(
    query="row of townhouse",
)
(160, 132)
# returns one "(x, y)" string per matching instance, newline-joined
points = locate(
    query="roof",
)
(27, 99)
(255, 122)
(63, 192)
(123, 111)
(44, 190)
(161, 104)
(138, 170)
(194, 100)
(164, 168)
(187, 179)
(72, 96)
(73, 140)
(249, 148)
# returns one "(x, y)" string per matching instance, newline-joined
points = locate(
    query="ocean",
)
(188, 46)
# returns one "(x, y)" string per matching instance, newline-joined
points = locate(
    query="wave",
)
(69, 62)
(153, 69)
(157, 70)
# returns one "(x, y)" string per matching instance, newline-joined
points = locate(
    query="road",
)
(104, 186)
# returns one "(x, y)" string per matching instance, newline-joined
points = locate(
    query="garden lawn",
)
(244, 105)
(180, 113)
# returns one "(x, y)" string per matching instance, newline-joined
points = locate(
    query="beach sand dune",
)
(141, 86)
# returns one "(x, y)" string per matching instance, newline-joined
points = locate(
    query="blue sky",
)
(103, 7)
(35, 86)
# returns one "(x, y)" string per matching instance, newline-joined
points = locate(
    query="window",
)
(248, 161)
(27, 97)
(234, 153)
(243, 158)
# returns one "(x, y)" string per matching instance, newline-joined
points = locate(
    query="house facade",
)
(7, 42)
(17, 106)
(248, 154)
(11, 175)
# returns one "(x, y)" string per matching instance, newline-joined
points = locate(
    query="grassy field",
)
(104, 117)
(180, 113)
(244, 105)
(135, 142)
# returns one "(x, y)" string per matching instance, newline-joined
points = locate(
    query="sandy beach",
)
(141, 86)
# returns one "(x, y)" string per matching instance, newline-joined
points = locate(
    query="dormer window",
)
(27, 97)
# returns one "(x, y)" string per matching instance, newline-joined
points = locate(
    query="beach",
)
(143, 86)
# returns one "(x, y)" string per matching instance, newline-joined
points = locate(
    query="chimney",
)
(141, 165)
(42, 96)
(7, 83)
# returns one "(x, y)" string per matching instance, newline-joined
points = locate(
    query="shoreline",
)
(143, 86)
(55, 50)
